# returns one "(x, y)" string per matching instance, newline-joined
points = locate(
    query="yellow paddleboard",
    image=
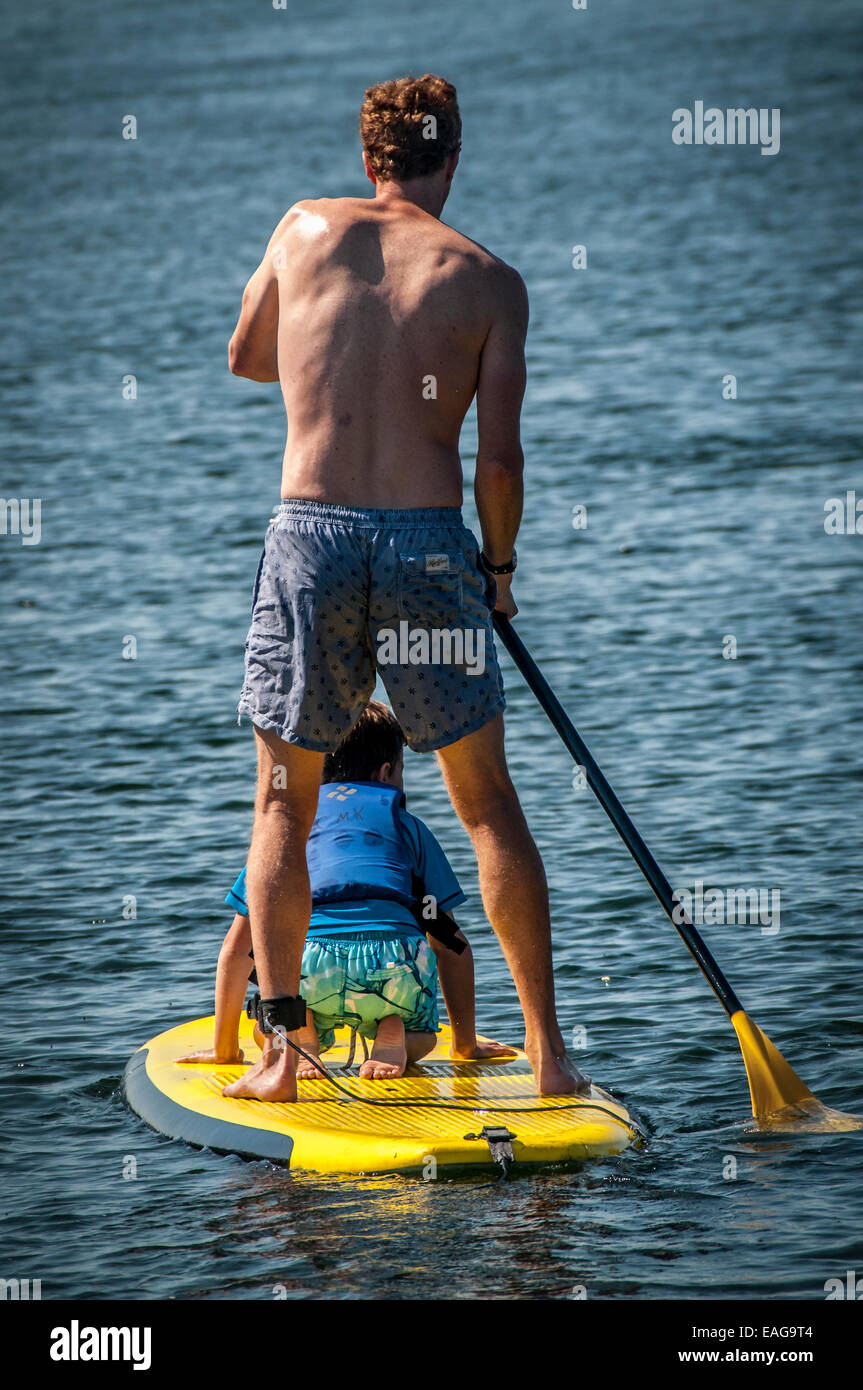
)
(438, 1111)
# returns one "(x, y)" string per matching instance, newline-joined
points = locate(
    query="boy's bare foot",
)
(273, 1078)
(555, 1074)
(307, 1039)
(310, 1071)
(389, 1054)
(479, 1051)
(209, 1054)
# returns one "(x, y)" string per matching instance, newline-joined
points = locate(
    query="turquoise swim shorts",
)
(359, 979)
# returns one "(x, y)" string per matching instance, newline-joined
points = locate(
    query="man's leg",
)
(514, 893)
(278, 893)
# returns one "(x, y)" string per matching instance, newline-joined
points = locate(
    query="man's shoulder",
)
(500, 281)
(310, 215)
(478, 256)
(324, 206)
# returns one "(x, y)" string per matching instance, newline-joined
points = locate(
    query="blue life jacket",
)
(356, 848)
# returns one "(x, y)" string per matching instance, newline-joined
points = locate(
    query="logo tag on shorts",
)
(436, 563)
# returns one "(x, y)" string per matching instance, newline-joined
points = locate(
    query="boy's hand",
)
(478, 1051)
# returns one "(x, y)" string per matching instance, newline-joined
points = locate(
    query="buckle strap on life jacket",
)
(441, 928)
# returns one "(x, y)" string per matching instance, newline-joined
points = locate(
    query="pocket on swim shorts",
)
(398, 984)
(430, 588)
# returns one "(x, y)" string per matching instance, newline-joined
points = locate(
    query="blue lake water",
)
(705, 522)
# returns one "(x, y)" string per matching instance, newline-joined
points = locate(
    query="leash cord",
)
(629, 1125)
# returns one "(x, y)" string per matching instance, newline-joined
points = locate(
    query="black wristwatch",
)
(499, 569)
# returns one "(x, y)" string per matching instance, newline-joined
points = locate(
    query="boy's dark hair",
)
(375, 739)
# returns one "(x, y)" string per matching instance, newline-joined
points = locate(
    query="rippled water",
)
(705, 521)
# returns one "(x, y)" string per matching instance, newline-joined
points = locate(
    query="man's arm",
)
(252, 349)
(498, 485)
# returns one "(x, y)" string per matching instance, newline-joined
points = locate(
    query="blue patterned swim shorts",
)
(342, 592)
(358, 980)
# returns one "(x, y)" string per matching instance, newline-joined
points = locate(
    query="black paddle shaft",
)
(618, 817)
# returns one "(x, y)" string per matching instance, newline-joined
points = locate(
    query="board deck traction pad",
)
(324, 1132)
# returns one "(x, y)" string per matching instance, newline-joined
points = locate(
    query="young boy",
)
(381, 924)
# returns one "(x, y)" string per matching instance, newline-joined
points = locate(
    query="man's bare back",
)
(383, 315)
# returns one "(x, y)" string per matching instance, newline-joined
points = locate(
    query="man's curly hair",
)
(410, 126)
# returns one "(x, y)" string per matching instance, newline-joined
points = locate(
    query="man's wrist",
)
(498, 566)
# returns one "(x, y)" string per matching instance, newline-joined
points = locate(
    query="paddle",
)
(773, 1085)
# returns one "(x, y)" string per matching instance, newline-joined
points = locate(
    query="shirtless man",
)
(382, 323)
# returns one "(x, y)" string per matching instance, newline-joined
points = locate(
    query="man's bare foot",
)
(389, 1054)
(273, 1078)
(209, 1054)
(480, 1051)
(555, 1074)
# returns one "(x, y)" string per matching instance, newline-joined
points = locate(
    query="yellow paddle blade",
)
(780, 1100)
